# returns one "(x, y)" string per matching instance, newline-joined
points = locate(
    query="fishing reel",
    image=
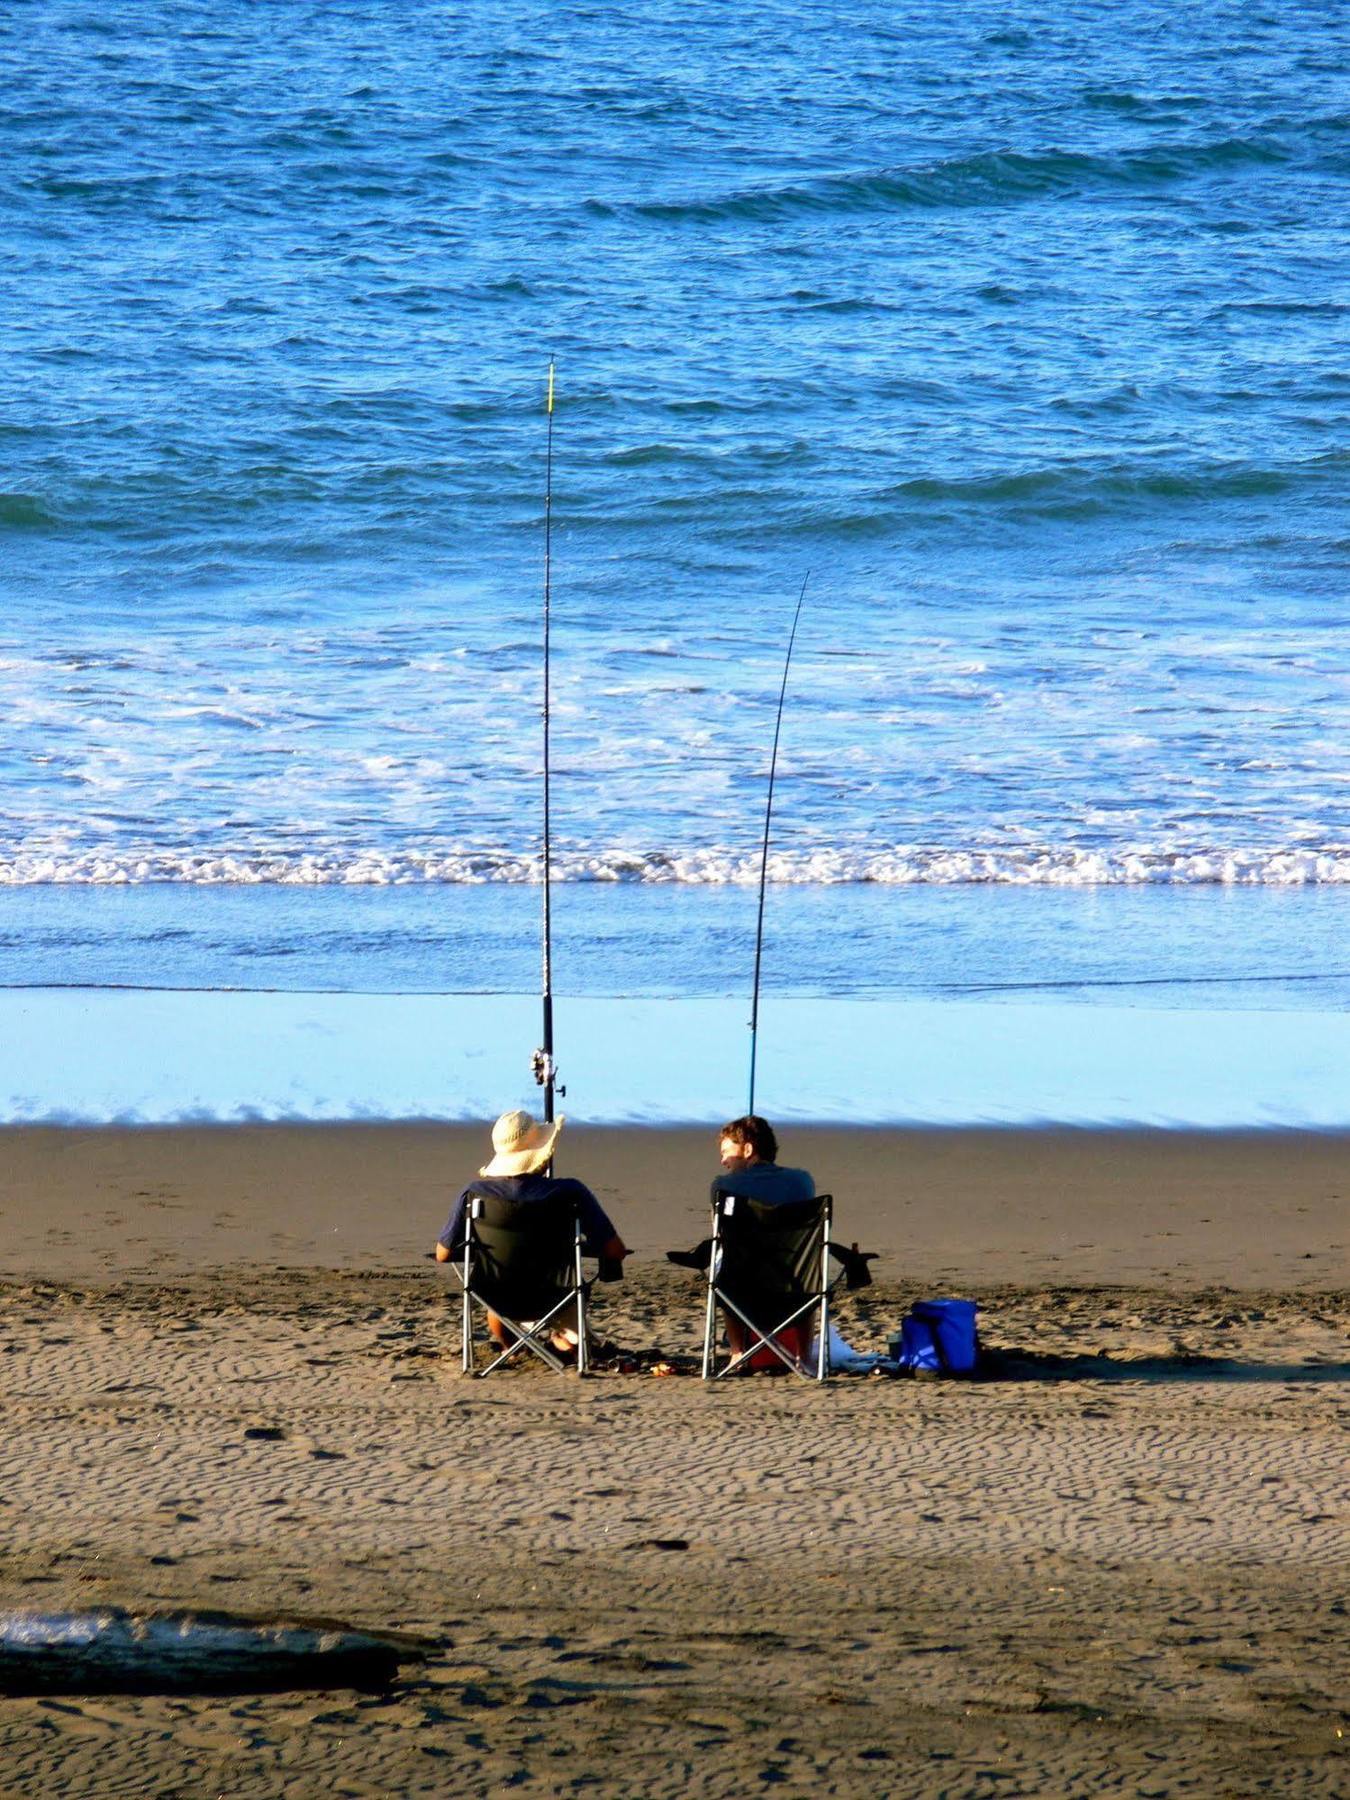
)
(546, 1071)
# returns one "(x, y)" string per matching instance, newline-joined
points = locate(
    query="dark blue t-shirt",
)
(596, 1229)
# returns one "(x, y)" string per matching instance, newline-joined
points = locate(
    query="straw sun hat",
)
(520, 1144)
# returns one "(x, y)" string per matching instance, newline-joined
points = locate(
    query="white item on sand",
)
(841, 1357)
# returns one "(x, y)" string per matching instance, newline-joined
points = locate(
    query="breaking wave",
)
(901, 866)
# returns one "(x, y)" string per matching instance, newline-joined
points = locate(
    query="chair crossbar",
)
(768, 1340)
(526, 1338)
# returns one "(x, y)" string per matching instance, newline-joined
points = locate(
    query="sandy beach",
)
(774, 551)
(230, 1382)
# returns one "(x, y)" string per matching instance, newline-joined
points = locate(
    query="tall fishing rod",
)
(545, 1069)
(764, 857)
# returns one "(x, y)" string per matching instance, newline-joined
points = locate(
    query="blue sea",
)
(1018, 335)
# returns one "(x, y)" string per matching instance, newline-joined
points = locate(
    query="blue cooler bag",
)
(940, 1335)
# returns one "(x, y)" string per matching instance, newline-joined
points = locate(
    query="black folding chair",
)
(522, 1261)
(769, 1268)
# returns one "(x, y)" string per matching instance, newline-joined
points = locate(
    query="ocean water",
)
(1019, 336)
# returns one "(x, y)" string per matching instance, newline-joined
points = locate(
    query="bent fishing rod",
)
(542, 1063)
(764, 855)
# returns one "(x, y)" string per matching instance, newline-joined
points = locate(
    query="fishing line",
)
(764, 857)
(542, 1063)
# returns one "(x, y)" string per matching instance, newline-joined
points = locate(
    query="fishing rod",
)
(545, 1069)
(764, 856)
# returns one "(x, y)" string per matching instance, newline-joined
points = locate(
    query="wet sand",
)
(230, 1381)
(1262, 1209)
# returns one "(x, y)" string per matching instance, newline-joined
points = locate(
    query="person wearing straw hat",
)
(522, 1149)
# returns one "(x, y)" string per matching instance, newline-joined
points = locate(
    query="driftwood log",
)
(115, 1651)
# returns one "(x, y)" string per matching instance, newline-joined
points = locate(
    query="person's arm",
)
(599, 1238)
(450, 1244)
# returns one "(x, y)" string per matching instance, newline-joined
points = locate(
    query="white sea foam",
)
(907, 865)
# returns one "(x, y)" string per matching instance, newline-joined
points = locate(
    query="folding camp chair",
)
(769, 1268)
(522, 1261)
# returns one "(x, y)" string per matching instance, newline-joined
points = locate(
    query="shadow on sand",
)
(1035, 1365)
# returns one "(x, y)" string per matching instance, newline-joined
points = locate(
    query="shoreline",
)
(74, 1056)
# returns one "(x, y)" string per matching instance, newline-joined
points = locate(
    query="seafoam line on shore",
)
(1046, 865)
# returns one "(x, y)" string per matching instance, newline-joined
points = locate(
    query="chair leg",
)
(581, 1303)
(466, 1320)
(823, 1335)
(710, 1310)
(709, 1329)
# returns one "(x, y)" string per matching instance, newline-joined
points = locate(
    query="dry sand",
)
(230, 1381)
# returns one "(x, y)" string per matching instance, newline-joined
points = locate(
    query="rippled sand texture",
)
(1118, 1568)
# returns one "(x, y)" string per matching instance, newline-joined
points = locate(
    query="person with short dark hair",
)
(749, 1153)
(751, 1171)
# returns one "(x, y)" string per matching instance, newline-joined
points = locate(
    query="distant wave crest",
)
(902, 866)
(988, 178)
(24, 512)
